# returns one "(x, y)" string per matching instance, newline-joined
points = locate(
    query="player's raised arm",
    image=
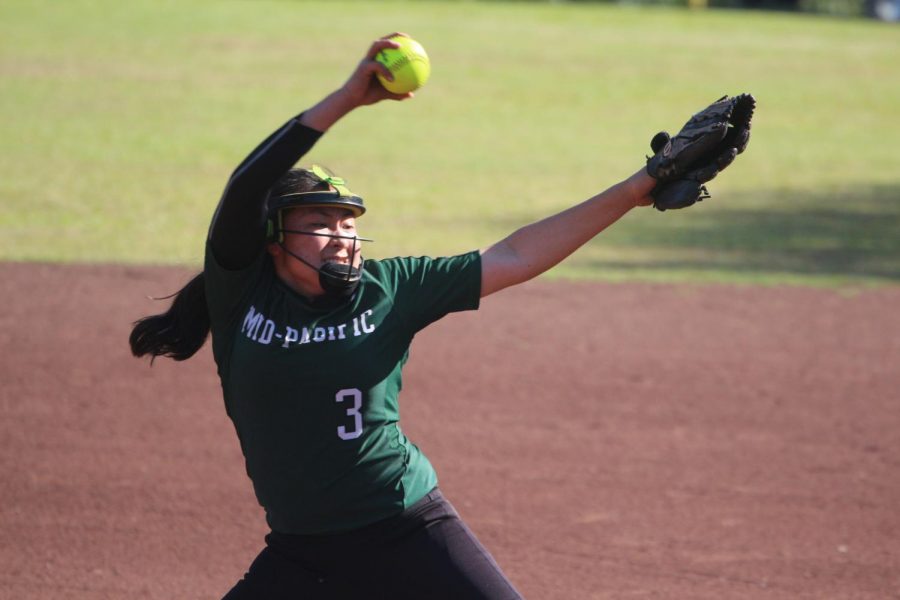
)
(361, 89)
(237, 231)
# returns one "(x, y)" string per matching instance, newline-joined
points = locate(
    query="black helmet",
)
(337, 197)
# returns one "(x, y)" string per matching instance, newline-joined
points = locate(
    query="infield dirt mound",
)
(604, 441)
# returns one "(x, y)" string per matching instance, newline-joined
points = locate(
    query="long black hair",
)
(182, 330)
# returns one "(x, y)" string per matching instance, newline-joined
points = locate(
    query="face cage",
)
(319, 270)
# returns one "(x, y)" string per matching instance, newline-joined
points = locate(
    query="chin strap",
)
(337, 279)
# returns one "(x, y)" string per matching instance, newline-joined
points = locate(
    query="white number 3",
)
(351, 412)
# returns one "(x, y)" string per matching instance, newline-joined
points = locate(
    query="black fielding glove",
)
(707, 144)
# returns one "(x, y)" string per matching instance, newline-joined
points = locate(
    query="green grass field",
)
(122, 121)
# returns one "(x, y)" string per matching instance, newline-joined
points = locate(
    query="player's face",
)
(317, 249)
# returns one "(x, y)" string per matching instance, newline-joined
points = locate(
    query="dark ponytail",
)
(180, 331)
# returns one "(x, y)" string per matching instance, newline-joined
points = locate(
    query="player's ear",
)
(274, 250)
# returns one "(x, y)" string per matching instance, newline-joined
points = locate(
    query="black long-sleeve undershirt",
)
(237, 233)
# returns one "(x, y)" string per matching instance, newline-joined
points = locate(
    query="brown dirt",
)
(604, 441)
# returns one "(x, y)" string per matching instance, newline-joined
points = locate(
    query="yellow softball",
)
(408, 64)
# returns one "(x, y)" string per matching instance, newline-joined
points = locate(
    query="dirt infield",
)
(604, 441)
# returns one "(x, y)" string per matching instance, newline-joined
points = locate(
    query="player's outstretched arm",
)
(673, 178)
(535, 248)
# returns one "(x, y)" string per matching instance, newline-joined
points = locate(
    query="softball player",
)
(310, 340)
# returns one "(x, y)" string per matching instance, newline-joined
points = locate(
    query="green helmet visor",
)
(337, 197)
(320, 199)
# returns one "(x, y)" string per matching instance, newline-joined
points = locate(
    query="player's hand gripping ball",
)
(408, 64)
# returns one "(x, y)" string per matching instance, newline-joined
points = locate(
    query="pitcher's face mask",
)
(339, 280)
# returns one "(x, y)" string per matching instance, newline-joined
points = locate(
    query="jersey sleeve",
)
(426, 289)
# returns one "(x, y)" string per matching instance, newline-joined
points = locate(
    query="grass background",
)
(122, 121)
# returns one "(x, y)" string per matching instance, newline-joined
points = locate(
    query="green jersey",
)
(312, 392)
